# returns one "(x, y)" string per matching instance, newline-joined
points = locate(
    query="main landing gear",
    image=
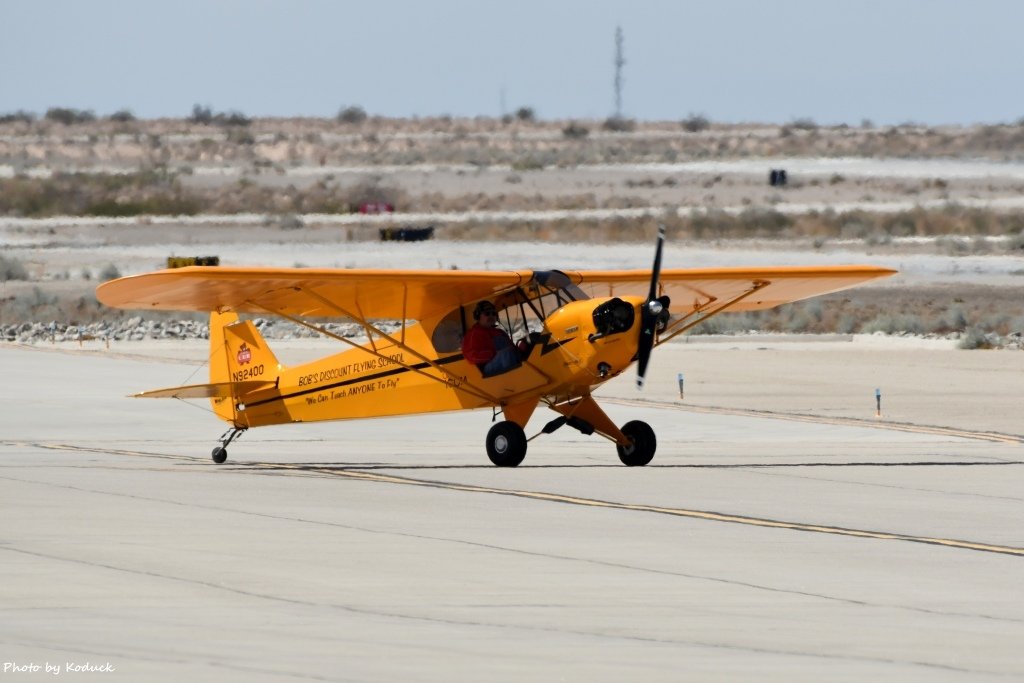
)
(506, 441)
(506, 444)
(220, 453)
(641, 450)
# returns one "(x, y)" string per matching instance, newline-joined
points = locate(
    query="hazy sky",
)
(890, 61)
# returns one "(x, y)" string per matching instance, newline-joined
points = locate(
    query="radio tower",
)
(619, 62)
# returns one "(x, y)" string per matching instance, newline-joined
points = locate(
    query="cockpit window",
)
(547, 292)
(520, 311)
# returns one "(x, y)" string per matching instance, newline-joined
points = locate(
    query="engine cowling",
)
(597, 337)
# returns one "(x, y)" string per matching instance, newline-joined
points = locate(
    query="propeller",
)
(652, 311)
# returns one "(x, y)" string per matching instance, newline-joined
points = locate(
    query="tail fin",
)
(238, 353)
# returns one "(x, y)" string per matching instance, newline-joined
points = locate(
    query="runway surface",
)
(753, 547)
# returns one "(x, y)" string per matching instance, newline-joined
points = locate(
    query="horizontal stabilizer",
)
(219, 390)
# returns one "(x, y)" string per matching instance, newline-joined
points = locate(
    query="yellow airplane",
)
(576, 330)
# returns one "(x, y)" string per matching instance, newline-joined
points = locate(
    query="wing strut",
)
(704, 312)
(448, 379)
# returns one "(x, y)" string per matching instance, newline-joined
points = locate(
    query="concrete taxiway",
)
(753, 547)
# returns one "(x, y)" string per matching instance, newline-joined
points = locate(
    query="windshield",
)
(525, 310)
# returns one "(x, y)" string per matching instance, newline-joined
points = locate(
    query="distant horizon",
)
(40, 116)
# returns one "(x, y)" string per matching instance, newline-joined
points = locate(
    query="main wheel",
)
(642, 446)
(219, 454)
(506, 444)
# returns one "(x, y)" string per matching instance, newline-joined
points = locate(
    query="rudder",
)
(238, 353)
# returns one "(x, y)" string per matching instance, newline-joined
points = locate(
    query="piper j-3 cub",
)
(579, 329)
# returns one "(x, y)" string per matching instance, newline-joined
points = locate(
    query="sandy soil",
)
(658, 164)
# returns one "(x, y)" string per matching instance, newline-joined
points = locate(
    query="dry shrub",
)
(974, 339)
(813, 225)
(96, 194)
(695, 123)
(575, 131)
(12, 269)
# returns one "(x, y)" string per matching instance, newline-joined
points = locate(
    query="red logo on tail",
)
(244, 354)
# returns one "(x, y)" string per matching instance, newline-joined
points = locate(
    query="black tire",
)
(644, 443)
(506, 444)
(219, 454)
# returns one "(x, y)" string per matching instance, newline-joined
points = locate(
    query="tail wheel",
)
(643, 443)
(506, 444)
(220, 453)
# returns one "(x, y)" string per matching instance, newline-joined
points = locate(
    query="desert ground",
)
(85, 202)
(787, 528)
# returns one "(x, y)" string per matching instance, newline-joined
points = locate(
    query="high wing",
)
(699, 289)
(419, 294)
(309, 292)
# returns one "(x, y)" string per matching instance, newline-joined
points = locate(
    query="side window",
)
(447, 336)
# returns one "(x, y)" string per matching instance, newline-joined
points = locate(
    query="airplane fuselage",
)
(576, 351)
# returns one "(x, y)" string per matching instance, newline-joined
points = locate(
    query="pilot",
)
(488, 346)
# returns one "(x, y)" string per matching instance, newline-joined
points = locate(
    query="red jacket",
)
(478, 344)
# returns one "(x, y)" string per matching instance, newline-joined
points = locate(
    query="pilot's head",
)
(485, 308)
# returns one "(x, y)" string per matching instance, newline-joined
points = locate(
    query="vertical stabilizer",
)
(238, 353)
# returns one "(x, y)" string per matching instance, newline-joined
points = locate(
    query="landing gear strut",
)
(220, 453)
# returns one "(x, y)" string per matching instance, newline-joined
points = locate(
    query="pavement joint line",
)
(676, 512)
(575, 500)
(839, 421)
